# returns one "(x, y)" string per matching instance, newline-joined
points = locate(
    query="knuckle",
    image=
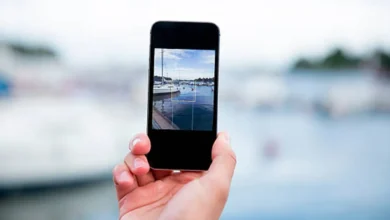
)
(128, 160)
(128, 156)
(233, 157)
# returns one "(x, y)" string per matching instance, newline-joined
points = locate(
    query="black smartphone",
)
(182, 95)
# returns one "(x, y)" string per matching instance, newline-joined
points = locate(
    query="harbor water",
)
(189, 109)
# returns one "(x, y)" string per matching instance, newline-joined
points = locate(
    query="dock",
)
(161, 122)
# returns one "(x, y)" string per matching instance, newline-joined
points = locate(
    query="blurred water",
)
(324, 168)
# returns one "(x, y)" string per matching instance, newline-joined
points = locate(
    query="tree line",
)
(340, 59)
(204, 79)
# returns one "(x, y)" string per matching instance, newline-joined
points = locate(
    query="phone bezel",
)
(182, 149)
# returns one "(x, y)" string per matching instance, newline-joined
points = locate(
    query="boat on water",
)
(165, 86)
(59, 135)
(165, 89)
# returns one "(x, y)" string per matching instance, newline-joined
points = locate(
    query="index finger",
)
(140, 145)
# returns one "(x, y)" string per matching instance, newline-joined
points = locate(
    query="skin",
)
(143, 193)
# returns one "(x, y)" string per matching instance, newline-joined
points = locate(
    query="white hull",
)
(165, 89)
(61, 140)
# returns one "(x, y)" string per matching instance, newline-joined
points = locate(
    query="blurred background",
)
(304, 94)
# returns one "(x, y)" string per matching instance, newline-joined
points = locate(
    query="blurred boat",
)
(259, 91)
(56, 141)
(382, 98)
(343, 100)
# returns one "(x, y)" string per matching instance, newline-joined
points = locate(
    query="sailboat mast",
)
(162, 66)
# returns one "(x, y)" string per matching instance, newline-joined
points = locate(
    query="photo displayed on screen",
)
(183, 89)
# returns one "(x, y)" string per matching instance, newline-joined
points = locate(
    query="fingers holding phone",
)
(140, 144)
(136, 160)
(181, 131)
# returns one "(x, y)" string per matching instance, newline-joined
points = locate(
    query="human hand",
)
(143, 193)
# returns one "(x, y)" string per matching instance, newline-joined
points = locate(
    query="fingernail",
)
(135, 141)
(138, 162)
(124, 177)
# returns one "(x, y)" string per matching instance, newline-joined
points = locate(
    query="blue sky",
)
(184, 63)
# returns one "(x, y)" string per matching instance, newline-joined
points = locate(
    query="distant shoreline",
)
(377, 62)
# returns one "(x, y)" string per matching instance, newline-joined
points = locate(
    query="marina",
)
(182, 101)
(290, 147)
(303, 92)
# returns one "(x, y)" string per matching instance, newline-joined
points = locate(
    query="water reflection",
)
(161, 97)
(161, 100)
(189, 109)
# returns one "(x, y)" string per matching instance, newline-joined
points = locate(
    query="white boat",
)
(262, 90)
(166, 88)
(61, 141)
(344, 100)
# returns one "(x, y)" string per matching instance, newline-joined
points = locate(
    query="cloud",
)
(185, 64)
(179, 52)
(209, 59)
(169, 54)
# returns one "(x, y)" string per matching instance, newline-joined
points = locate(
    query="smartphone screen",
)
(183, 93)
(183, 89)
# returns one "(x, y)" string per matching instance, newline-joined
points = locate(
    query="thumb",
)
(223, 163)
